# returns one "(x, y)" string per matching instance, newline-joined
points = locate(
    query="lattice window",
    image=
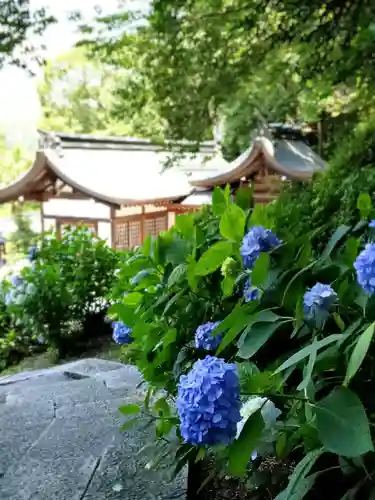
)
(121, 235)
(135, 233)
(156, 225)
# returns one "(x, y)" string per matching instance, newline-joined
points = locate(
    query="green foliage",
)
(23, 237)
(63, 297)
(164, 293)
(82, 95)
(18, 21)
(240, 63)
(342, 195)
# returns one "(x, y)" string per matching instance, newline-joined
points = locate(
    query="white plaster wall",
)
(76, 208)
(171, 219)
(123, 212)
(49, 225)
(104, 232)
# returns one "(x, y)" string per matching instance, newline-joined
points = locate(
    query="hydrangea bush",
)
(62, 294)
(284, 395)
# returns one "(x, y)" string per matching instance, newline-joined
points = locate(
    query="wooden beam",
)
(70, 196)
(75, 218)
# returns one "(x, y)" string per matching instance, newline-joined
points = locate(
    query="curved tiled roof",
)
(114, 171)
(293, 159)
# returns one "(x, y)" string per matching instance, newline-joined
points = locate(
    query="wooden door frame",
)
(75, 221)
(142, 217)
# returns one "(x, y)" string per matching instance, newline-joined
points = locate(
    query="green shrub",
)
(331, 198)
(63, 296)
(314, 371)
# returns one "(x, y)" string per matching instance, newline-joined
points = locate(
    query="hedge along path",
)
(60, 436)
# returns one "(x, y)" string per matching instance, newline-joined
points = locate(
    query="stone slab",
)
(60, 437)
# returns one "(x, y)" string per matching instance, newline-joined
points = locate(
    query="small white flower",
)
(268, 410)
(117, 487)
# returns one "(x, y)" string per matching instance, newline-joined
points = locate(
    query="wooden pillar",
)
(143, 211)
(42, 227)
(113, 227)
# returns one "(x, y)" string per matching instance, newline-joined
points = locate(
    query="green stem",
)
(272, 395)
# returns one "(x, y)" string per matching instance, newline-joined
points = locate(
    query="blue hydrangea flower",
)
(365, 267)
(257, 240)
(250, 293)
(372, 224)
(318, 301)
(16, 280)
(208, 402)
(204, 338)
(32, 253)
(122, 334)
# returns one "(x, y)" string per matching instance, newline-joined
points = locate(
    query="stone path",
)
(60, 438)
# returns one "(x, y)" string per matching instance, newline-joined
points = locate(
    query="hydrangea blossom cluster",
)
(250, 293)
(122, 334)
(318, 301)
(372, 224)
(16, 291)
(32, 253)
(257, 240)
(208, 402)
(365, 267)
(204, 338)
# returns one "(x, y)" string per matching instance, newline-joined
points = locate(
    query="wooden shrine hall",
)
(120, 189)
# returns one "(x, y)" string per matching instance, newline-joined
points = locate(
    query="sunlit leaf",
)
(213, 258)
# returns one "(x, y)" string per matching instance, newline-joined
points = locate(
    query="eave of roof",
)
(49, 163)
(248, 163)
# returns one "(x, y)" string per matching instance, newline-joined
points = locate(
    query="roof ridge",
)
(97, 140)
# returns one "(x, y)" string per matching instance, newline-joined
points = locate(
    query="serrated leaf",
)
(138, 278)
(213, 258)
(359, 353)
(232, 223)
(227, 285)
(244, 197)
(364, 205)
(220, 201)
(122, 312)
(241, 449)
(185, 225)
(146, 247)
(342, 424)
(177, 274)
(133, 299)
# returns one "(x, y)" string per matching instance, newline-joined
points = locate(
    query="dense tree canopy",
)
(83, 96)
(17, 22)
(245, 61)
